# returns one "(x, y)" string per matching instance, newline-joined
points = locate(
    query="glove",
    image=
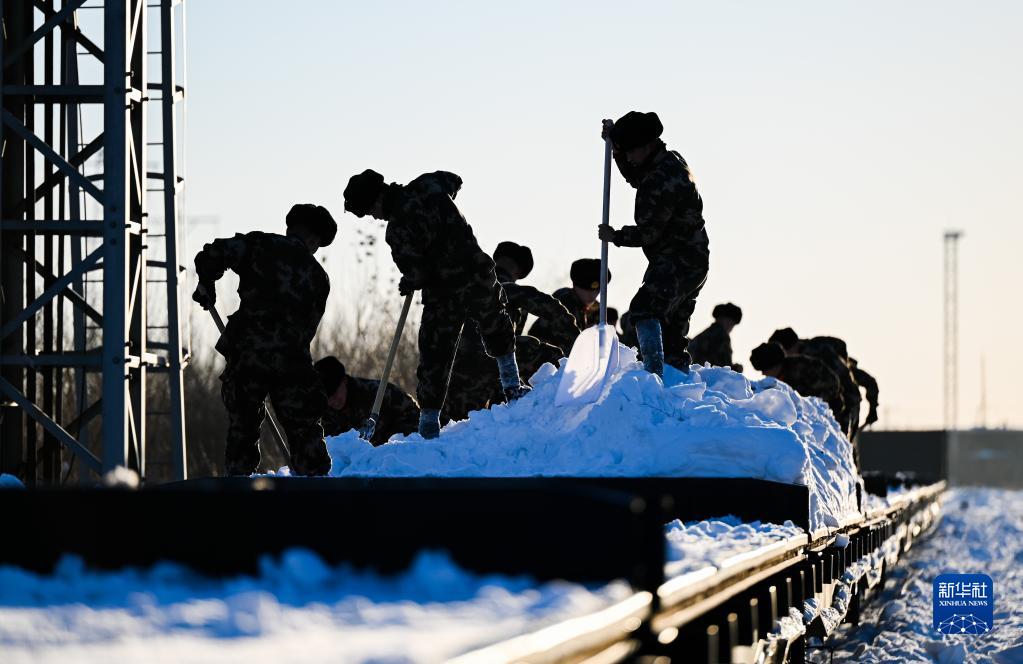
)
(367, 429)
(606, 233)
(205, 295)
(871, 418)
(605, 128)
(737, 368)
(405, 287)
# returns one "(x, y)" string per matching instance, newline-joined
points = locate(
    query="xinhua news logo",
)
(964, 604)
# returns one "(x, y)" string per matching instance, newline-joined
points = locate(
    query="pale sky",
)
(833, 143)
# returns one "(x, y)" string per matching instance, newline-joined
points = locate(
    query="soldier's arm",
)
(540, 304)
(408, 240)
(653, 212)
(869, 383)
(219, 256)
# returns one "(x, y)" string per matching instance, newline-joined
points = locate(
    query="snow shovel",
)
(596, 354)
(275, 428)
(370, 425)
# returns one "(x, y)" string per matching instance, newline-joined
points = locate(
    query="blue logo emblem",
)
(964, 603)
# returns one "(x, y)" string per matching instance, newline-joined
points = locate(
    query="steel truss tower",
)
(951, 345)
(92, 352)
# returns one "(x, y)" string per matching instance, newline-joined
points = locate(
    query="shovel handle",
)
(604, 222)
(378, 402)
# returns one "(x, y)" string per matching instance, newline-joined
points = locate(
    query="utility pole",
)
(951, 345)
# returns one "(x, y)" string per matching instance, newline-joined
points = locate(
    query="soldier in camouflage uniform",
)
(436, 252)
(474, 379)
(832, 352)
(669, 228)
(283, 291)
(580, 299)
(350, 403)
(869, 384)
(628, 336)
(714, 345)
(806, 375)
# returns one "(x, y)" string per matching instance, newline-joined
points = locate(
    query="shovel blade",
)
(595, 358)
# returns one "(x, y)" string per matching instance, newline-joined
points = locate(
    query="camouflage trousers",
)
(475, 383)
(669, 294)
(298, 401)
(445, 314)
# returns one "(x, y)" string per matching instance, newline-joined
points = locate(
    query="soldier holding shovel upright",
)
(436, 252)
(669, 228)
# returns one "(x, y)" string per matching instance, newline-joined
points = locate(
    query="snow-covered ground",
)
(700, 544)
(711, 422)
(297, 609)
(981, 531)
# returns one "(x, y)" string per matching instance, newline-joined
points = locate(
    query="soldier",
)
(474, 380)
(283, 292)
(515, 262)
(832, 351)
(580, 300)
(629, 331)
(436, 252)
(869, 384)
(714, 345)
(669, 228)
(350, 403)
(806, 375)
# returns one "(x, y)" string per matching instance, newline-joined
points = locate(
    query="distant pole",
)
(951, 346)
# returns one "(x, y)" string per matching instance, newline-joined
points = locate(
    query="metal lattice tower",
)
(951, 344)
(90, 324)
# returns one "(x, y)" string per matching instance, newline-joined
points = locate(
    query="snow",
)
(699, 544)
(10, 482)
(981, 531)
(711, 422)
(297, 608)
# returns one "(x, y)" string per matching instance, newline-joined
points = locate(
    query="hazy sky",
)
(832, 143)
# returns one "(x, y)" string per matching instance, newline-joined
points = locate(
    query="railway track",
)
(764, 605)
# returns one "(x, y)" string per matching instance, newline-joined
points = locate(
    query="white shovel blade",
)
(595, 358)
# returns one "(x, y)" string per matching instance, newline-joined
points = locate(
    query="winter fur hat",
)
(586, 273)
(519, 254)
(314, 218)
(332, 372)
(635, 129)
(785, 337)
(728, 310)
(362, 192)
(767, 356)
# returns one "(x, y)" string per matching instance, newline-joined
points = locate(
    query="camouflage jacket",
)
(399, 412)
(669, 213)
(525, 300)
(812, 378)
(832, 352)
(431, 242)
(563, 336)
(283, 291)
(868, 383)
(713, 345)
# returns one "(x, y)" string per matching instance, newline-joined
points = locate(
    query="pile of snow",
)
(699, 544)
(981, 531)
(10, 482)
(711, 422)
(296, 609)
